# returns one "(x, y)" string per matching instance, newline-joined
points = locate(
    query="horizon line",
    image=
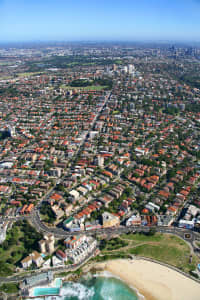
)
(101, 41)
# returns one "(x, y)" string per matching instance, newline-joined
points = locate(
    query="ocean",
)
(95, 287)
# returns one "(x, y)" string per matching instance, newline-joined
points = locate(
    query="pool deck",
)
(53, 284)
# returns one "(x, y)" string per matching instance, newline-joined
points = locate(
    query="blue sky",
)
(26, 20)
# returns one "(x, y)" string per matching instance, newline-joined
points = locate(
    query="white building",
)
(74, 241)
(47, 244)
(100, 161)
(134, 220)
(3, 228)
(74, 195)
(34, 257)
(152, 207)
(82, 249)
(131, 69)
(186, 224)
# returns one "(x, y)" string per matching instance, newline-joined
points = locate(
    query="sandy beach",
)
(152, 280)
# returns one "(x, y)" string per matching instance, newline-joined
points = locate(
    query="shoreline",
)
(152, 281)
(109, 274)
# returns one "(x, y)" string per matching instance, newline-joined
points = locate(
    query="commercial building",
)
(110, 220)
(186, 224)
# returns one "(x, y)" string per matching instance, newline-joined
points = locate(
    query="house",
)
(106, 199)
(26, 262)
(37, 258)
(141, 151)
(82, 190)
(57, 211)
(61, 255)
(152, 207)
(34, 257)
(68, 208)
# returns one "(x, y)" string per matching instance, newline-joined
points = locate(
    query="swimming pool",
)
(198, 266)
(46, 291)
(58, 282)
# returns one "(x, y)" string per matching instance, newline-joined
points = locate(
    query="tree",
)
(152, 231)
(90, 98)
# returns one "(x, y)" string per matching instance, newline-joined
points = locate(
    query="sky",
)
(116, 20)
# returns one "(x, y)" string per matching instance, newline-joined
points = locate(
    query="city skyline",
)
(106, 20)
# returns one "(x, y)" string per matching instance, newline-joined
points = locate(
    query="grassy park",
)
(28, 74)
(9, 288)
(20, 241)
(166, 248)
(88, 85)
(84, 88)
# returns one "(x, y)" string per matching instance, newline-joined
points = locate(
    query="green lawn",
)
(20, 241)
(85, 88)
(198, 244)
(27, 74)
(9, 288)
(166, 248)
(170, 254)
(115, 243)
(115, 112)
(143, 238)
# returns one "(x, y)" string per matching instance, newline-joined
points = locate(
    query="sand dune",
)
(154, 281)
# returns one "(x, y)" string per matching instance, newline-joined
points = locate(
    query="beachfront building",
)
(56, 261)
(37, 258)
(79, 249)
(33, 258)
(26, 262)
(61, 255)
(74, 241)
(40, 279)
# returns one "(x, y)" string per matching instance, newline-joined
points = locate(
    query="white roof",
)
(186, 222)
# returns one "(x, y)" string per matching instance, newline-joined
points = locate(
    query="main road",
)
(60, 233)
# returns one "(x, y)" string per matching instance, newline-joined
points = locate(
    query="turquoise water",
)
(95, 288)
(58, 282)
(46, 291)
(49, 290)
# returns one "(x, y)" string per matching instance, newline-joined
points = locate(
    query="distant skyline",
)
(121, 20)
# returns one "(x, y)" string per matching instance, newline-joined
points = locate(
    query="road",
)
(61, 233)
(66, 268)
